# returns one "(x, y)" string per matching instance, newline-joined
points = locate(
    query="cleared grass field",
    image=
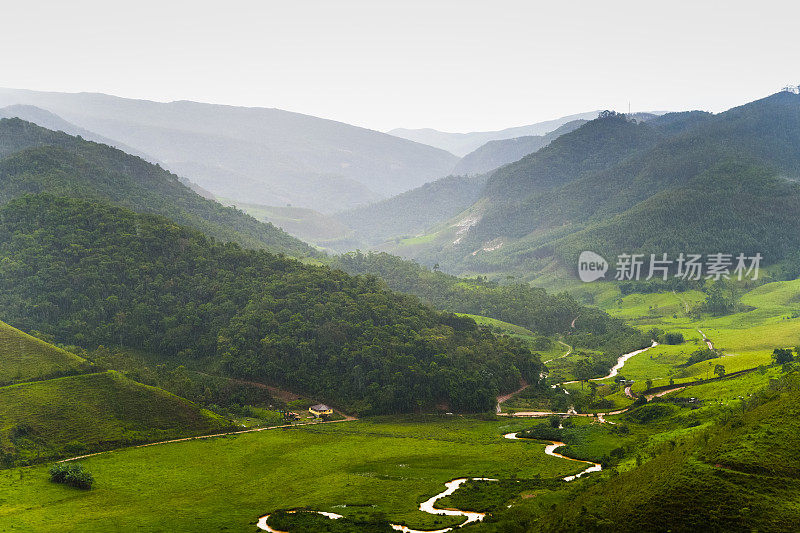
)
(504, 327)
(747, 338)
(26, 358)
(89, 412)
(378, 467)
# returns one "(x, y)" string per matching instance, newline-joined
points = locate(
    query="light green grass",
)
(419, 239)
(26, 358)
(227, 483)
(504, 327)
(38, 420)
(727, 390)
(656, 305)
(747, 338)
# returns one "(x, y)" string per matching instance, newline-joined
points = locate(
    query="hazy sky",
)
(456, 65)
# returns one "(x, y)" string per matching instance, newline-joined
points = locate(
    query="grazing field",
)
(503, 327)
(769, 318)
(641, 307)
(26, 358)
(78, 414)
(380, 467)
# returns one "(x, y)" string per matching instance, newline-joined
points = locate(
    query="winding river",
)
(621, 360)
(428, 506)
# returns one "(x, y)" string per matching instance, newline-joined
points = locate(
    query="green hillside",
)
(302, 222)
(34, 160)
(517, 303)
(682, 181)
(61, 405)
(738, 475)
(412, 212)
(495, 154)
(67, 416)
(93, 274)
(597, 145)
(745, 209)
(26, 358)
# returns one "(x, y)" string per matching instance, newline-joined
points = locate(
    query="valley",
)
(407, 459)
(233, 317)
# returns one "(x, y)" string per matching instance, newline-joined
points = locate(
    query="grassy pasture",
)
(26, 358)
(379, 466)
(77, 414)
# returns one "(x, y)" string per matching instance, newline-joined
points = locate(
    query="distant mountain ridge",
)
(461, 144)
(495, 154)
(35, 160)
(258, 155)
(411, 212)
(669, 184)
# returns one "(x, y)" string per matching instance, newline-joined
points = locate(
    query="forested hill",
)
(35, 159)
(606, 187)
(495, 154)
(596, 145)
(518, 303)
(745, 209)
(93, 274)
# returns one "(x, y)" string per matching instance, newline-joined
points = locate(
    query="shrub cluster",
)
(71, 474)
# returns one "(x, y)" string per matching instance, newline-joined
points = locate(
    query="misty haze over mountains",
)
(267, 156)
(461, 144)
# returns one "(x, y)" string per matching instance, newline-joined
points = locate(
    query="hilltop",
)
(61, 404)
(615, 185)
(34, 159)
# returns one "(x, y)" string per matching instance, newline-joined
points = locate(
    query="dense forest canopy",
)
(518, 303)
(93, 274)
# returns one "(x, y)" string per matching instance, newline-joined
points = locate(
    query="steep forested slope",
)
(35, 159)
(732, 208)
(616, 184)
(93, 274)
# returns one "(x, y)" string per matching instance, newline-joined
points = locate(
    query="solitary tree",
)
(583, 371)
(719, 370)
